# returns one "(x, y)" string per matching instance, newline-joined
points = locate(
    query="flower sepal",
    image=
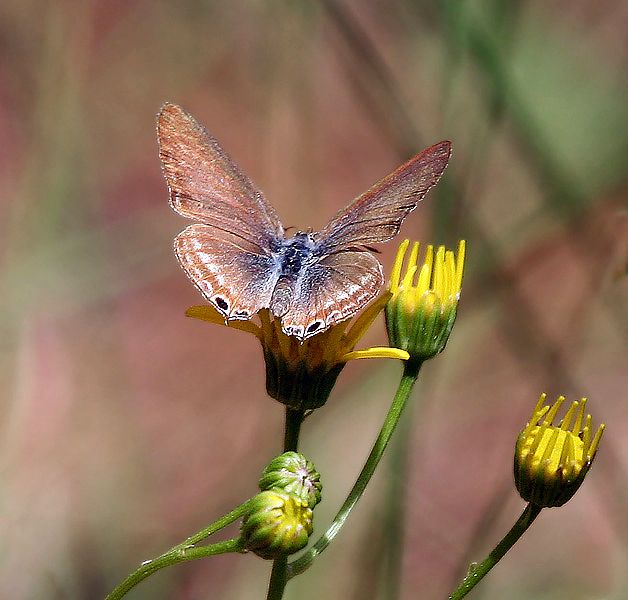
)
(298, 386)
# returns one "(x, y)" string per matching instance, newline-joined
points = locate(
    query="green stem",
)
(410, 374)
(278, 575)
(477, 572)
(278, 579)
(394, 517)
(225, 520)
(172, 557)
(186, 550)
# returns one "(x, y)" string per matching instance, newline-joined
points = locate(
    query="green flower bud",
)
(551, 461)
(422, 310)
(294, 474)
(276, 525)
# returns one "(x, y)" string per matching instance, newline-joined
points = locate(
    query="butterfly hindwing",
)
(235, 278)
(332, 290)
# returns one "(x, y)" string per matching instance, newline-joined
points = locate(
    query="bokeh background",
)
(125, 426)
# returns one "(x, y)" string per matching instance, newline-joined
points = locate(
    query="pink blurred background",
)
(125, 426)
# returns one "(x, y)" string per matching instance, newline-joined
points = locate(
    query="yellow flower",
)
(422, 310)
(301, 374)
(551, 461)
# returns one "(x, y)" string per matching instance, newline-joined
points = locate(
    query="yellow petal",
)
(460, 265)
(365, 320)
(596, 440)
(397, 266)
(376, 352)
(208, 313)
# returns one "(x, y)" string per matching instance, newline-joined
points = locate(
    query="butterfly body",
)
(237, 253)
(295, 254)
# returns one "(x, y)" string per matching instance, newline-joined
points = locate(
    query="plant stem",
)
(294, 418)
(175, 555)
(185, 551)
(477, 572)
(225, 520)
(278, 575)
(410, 374)
(278, 579)
(395, 513)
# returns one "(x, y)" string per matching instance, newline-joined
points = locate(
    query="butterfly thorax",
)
(295, 253)
(293, 256)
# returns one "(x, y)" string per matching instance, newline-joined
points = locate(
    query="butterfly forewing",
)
(235, 278)
(376, 215)
(207, 186)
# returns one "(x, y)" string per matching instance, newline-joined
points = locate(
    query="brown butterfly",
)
(239, 257)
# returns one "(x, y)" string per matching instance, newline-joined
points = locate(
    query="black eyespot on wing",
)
(222, 303)
(313, 327)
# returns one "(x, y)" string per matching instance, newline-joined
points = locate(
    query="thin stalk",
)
(278, 575)
(185, 551)
(410, 374)
(477, 572)
(395, 510)
(292, 429)
(278, 579)
(172, 557)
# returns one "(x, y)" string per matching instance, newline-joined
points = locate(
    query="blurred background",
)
(125, 426)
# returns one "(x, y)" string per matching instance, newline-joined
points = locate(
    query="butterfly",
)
(238, 254)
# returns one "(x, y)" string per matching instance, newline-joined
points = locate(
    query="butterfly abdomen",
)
(282, 296)
(293, 256)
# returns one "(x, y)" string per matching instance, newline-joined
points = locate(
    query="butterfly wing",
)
(236, 278)
(376, 215)
(207, 186)
(332, 290)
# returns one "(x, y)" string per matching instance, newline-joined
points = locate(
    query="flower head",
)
(301, 374)
(422, 310)
(551, 461)
(277, 524)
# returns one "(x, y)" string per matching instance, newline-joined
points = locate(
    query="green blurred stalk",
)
(410, 375)
(395, 516)
(185, 551)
